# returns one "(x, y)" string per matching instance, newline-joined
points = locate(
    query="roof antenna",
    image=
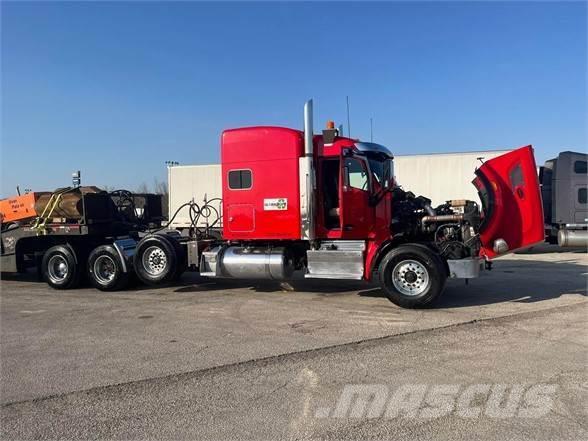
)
(371, 130)
(348, 121)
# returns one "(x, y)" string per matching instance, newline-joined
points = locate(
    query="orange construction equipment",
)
(18, 208)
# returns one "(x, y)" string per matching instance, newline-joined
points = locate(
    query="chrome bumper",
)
(465, 268)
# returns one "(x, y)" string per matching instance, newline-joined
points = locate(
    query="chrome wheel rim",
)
(410, 278)
(57, 268)
(154, 260)
(104, 269)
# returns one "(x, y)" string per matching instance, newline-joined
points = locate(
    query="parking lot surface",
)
(222, 359)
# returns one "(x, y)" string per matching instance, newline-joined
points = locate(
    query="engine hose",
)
(196, 212)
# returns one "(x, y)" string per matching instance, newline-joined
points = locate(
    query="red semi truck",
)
(327, 207)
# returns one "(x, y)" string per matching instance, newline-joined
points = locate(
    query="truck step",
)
(336, 260)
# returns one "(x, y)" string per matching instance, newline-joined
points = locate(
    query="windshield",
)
(381, 168)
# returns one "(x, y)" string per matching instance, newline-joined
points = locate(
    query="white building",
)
(437, 176)
(441, 176)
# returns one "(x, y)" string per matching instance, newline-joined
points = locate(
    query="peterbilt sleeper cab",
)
(294, 204)
(326, 206)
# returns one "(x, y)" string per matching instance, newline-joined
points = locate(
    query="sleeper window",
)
(581, 167)
(240, 179)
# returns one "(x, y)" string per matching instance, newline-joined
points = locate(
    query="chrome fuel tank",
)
(256, 263)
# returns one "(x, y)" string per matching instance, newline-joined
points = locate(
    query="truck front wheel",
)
(412, 276)
(60, 268)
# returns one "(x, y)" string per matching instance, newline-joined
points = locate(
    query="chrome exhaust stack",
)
(307, 182)
(308, 128)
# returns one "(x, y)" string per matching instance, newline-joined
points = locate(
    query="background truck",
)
(564, 187)
(326, 206)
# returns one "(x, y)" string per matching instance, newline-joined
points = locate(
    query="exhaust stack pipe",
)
(307, 181)
(308, 129)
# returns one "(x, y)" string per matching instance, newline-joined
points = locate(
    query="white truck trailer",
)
(197, 183)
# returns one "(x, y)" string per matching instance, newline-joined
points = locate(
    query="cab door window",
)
(357, 215)
(356, 174)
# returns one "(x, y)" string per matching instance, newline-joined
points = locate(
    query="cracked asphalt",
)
(230, 360)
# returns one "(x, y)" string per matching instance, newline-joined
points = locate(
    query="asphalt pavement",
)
(221, 359)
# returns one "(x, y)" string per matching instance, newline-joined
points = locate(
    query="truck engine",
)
(452, 227)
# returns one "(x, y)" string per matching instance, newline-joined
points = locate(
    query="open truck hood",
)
(511, 203)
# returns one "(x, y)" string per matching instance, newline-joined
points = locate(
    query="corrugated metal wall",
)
(439, 176)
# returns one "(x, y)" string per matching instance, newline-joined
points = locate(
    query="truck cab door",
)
(511, 203)
(355, 211)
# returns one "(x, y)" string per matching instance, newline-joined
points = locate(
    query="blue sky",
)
(116, 89)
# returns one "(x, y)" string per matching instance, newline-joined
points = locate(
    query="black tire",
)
(156, 260)
(412, 276)
(181, 256)
(105, 269)
(60, 267)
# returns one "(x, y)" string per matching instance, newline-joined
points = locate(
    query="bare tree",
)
(143, 188)
(160, 187)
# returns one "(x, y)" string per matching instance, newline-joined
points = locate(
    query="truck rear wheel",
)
(60, 268)
(155, 260)
(412, 276)
(105, 269)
